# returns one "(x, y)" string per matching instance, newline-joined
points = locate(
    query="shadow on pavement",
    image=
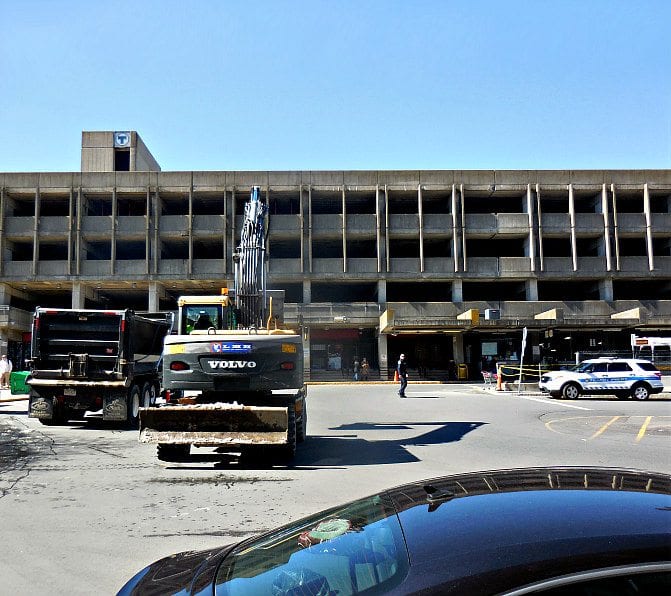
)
(320, 452)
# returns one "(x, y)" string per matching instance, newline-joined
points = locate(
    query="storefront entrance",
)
(430, 355)
(336, 349)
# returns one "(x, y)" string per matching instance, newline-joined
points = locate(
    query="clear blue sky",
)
(328, 84)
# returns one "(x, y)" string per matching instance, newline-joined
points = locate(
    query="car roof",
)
(616, 359)
(519, 526)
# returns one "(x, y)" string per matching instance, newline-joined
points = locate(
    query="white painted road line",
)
(554, 402)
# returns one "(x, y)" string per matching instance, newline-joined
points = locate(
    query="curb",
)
(10, 399)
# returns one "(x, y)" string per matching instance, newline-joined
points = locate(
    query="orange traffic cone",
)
(396, 376)
(499, 385)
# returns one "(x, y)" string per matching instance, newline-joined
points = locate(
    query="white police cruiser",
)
(622, 377)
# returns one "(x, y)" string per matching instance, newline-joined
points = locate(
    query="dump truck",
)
(233, 373)
(85, 360)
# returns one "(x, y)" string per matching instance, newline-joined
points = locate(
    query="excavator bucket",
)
(214, 425)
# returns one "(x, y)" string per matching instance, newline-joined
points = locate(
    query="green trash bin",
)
(17, 382)
(462, 372)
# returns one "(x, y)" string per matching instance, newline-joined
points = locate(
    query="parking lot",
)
(85, 505)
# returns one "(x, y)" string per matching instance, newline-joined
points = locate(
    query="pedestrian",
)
(365, 369)
(5, 371)
(402, 370)
(357, 369)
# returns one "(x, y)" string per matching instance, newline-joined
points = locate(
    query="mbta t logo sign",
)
(121, 139)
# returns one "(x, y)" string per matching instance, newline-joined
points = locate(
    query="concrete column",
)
(379, 236)
(571, 212)
(309, 253)
(189, 266)
(344, 231)
(539, 212)
(78, 295)
(531, 240)
(382, 356)
(420, 214)
(606, 290)
(5, 294)
(382, 291)
(462, 227)
(457, 290)
(36, 232)
(79, 243)
(306, 353)
(606, 228)
(458, 348)
(616, 232)
(302, 219)
(154, 296)
(531, 289)
(307, 291)
(387, 266)
(153, 214)
(115, 224)
(648, 226)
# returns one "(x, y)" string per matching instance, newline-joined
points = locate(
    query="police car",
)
(622, 377)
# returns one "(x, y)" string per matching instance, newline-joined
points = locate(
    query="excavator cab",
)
(202, 314)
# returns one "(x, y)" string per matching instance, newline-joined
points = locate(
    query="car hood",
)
(184, 573)
(557, 373)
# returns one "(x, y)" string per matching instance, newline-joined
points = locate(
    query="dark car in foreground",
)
(555, 531)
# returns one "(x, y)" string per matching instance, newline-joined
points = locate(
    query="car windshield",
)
(347, 550)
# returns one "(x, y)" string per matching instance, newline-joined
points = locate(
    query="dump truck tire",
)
(133, 403)
(148, 395)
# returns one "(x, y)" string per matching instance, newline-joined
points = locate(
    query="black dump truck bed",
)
(96, 344)
(89, 360)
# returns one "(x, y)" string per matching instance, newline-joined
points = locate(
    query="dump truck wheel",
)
(172, 453)
(148, 395)
(302, 425)
(133, 407)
